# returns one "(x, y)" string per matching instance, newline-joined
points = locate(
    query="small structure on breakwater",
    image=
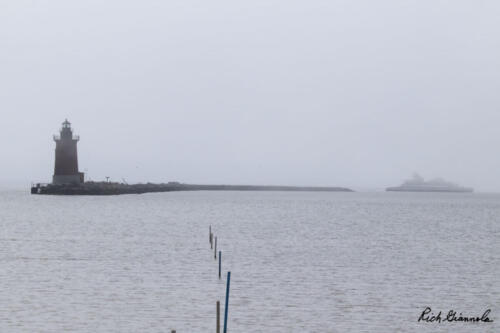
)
(67, 180)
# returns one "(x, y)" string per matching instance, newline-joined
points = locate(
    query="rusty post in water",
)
(218, 317)
(215, 250)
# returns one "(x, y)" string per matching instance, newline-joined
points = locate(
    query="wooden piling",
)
(220, 263)
(227, 301)
(215, 250)
(211, 237)
(218, 318)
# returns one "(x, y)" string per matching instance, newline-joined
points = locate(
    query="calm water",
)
(300, 262)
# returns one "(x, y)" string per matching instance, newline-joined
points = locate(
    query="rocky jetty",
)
(111, 188)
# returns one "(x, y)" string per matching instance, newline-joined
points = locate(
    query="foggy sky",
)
(349, 93)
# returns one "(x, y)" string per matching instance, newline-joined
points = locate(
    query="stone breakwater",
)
(109, 188)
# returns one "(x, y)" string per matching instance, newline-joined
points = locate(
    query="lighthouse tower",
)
(66, 166)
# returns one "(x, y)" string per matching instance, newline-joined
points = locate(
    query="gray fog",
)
(343, 93)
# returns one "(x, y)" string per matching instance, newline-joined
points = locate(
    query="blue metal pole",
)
(227, 301)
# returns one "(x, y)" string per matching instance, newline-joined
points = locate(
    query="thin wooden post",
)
(173, 331)
(210, 234)
(215, 250)
(227, 301)
(218, 318)
(220, 259)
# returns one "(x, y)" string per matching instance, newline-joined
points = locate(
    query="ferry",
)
(418, 184)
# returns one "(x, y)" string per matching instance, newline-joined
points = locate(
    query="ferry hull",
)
(429, 189)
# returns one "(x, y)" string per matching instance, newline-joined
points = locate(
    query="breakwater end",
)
(110, 188)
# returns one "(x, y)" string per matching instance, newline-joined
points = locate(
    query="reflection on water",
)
(300, 262)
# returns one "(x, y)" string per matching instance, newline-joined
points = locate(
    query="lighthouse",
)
(66, 164)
